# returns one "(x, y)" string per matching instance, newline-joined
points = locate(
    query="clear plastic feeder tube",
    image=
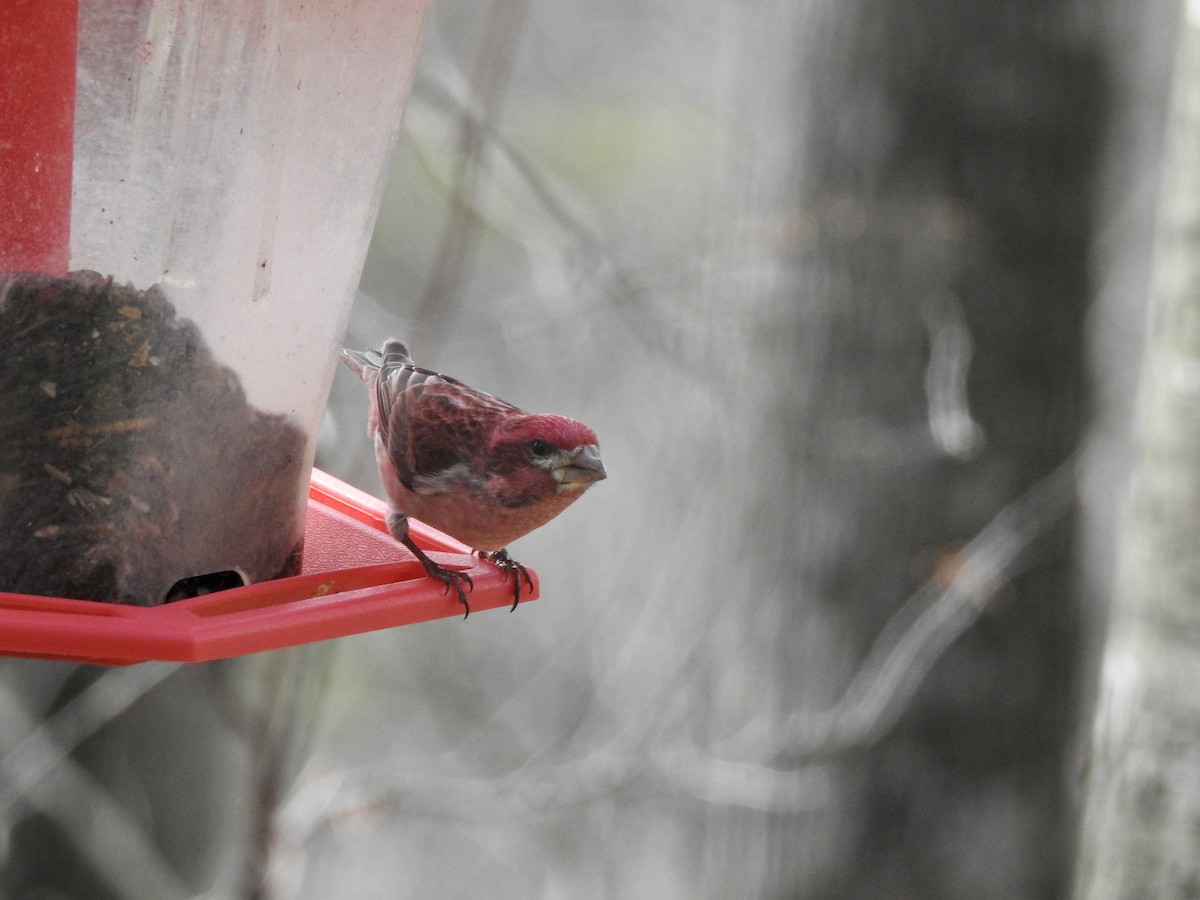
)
(159, 401)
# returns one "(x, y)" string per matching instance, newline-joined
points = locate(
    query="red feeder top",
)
(356, 578)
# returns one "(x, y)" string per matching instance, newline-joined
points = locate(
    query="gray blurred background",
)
(853, 294)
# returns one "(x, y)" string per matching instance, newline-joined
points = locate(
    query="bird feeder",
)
(189, 190)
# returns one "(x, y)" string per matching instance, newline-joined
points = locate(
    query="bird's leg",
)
(507, 564)
(448, 577)
(397, 524)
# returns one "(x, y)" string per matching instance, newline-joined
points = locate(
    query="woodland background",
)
(886, 316)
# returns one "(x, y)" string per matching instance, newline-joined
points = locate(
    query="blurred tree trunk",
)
(1143, 793)
(944, 222)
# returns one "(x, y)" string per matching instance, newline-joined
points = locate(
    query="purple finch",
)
(467, 463)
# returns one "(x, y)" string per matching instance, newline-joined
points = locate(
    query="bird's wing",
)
(391, 376)
(434, 425)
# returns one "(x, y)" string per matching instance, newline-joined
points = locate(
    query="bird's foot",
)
(507, 565)
(448, 577)
(452, 579)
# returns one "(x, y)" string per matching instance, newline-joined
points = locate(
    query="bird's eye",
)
(540, 448)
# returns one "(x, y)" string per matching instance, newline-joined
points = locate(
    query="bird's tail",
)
(362, 362)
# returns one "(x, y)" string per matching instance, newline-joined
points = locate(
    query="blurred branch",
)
(290, 685)
(48, 745)
(37, 770)
(493, 65)
(512, 190)
(920, 631)
(367, 793)
(439, 93)
(747, 785)
(955, 432)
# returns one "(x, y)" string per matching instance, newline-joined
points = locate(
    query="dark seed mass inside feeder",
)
(129, 458)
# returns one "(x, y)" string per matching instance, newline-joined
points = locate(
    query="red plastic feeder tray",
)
(355, 578)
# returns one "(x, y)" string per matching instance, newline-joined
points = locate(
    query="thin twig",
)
(47, 745)
(920, 632)
(39, 771)
(489, 79)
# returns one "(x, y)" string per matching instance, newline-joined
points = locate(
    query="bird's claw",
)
(507, 564)
(448, 577)
(452, 579)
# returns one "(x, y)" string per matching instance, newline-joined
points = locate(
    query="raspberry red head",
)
(557, 431)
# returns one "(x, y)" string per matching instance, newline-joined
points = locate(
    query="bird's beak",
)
(582, 467)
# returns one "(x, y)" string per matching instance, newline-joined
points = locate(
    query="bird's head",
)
(534, 456)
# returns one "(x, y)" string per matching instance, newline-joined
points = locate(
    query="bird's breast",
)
(481, 522)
